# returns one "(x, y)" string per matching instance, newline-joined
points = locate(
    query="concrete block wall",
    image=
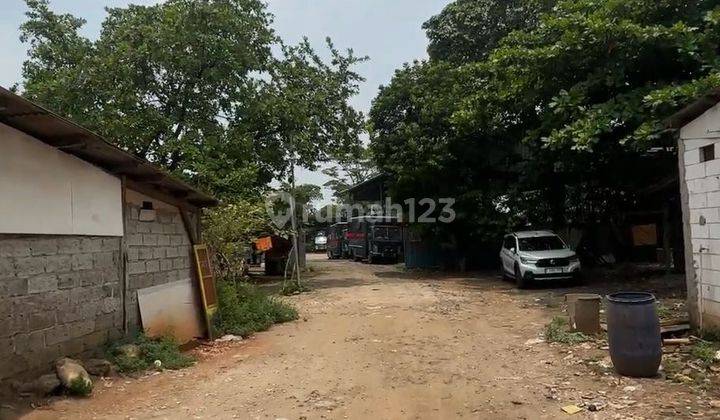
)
(158, 252)
(702, 180)
(59, 296)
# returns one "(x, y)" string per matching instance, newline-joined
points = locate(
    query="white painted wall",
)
(46, 191)
(702, 180)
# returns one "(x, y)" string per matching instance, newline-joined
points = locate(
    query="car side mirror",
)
(512, 250)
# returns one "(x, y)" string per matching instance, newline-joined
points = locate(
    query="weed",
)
(557, 332)
(710, 334)
(705, 352)
(293, 288)
(243, 309)
(663, 311)
(671, 366)
(80, 387)
(164, 349)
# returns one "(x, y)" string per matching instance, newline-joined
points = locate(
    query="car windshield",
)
(541, 243)
(386, 233)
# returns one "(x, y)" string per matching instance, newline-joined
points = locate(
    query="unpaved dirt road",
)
(374, 342)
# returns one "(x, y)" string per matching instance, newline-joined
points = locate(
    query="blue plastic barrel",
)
(634, 333)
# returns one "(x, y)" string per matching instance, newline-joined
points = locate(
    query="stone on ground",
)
(69, 370)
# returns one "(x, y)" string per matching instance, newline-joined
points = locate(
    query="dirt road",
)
(374, 342)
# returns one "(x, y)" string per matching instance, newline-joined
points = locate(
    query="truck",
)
(320, 242)
(375, 238)
(337, 245)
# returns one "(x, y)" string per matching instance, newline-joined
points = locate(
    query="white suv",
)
(537, 255)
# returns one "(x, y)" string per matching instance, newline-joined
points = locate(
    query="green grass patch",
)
(164, 349)
(663, 311)
(557, 331)
(705, 352)
(244, 309)
(293, 288)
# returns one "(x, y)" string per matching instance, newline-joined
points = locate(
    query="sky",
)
(388, 31)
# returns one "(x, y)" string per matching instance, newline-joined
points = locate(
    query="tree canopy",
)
(467, 30)
(544, 118)
(204, 88)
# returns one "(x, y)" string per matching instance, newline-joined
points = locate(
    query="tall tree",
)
(570, 105)
(349, 171)
(193, 85)
(467, 30)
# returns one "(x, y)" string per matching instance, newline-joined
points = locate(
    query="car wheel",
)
(520, 281)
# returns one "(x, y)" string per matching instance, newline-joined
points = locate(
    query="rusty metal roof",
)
(71, 138)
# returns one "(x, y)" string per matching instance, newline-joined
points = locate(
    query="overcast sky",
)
(388, 31)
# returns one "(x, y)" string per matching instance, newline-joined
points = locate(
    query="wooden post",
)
(666, 237)
(124, 255)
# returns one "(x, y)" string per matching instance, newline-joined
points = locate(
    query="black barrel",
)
(634, 333)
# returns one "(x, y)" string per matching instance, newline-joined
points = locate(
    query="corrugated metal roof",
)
(71, 138)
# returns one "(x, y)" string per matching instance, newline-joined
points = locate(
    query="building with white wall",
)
(84, 226)
(699, 171)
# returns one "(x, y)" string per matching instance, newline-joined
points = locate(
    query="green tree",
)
(467, 30)
(193, 85)
(554, 122)
(349, 171)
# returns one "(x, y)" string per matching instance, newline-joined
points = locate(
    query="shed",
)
(699, 169)
(84, 227)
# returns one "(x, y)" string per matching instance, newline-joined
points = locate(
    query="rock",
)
(715, 403)
(228, 338)
(717, 356)
(534, 341)
(157, 364)
(98, 367)
(129, 350)
(69, 370)
(42, 386)
(595, 406)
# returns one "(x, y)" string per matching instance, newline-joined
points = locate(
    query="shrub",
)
(164, 349)
(557, 332)
(243, 309)
(80, 387)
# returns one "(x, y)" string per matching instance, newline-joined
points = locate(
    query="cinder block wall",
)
(159, 252)
(59, 296)
(702, 180)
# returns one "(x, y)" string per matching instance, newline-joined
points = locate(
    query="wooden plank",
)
(206, 279)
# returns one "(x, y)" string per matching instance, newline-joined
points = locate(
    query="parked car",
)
(538, 255)
(320, 242)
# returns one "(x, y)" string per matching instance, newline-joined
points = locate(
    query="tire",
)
(520, 281)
